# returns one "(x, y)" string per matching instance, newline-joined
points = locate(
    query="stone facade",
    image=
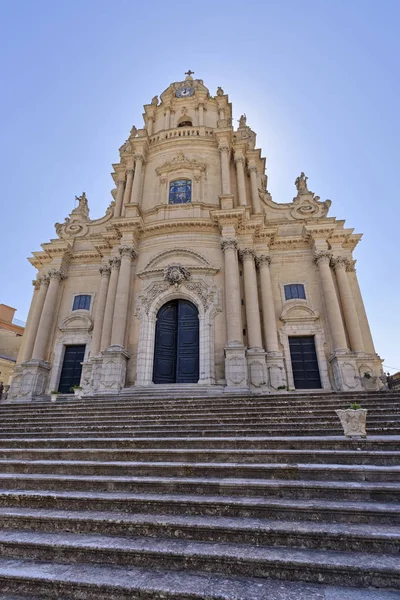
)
(225, 246)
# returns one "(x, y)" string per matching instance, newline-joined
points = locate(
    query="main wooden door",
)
(72, 368)
(176, 351)
(304, 362)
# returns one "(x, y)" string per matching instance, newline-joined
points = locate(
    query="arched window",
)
(180, 191)
(295, 290)
(82, 302)
(186, 123)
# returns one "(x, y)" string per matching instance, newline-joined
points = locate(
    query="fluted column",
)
(239, 162)
(255, 198)
(41, 285)
(47, 316)
(349, 310)
(122, 298)
(105, 271)
(251, 299)
(225, 175)
(128, 187)
(137, 180)
(109, 309)
(267, 304)
(335, 321)
(232, 293)
(119, 197)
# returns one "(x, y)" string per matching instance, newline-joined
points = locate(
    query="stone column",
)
(105, 271)
(137, 180)
(240, 161)
(267, 303)
(255, 198)
(251, 299)
(349, 310)
(47, 316)
(150, 121)
(40, 284)
(109, 309)
(334, 316)
(232, 293)
(368, 342)
(167, 115)
(201, 114)
(119, 198)
(128, 187)
(122, 297)
(225, 175)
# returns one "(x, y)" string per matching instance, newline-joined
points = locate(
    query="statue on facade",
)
(133, 132)
(220, 91)
(301, 184)
(242, 121)
(82, 208)
(154, 101)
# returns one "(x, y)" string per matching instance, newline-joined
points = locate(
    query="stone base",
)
(113, 370)
(30, 380)
(345, 373)
(257, 369)
(235, 368)
(370, 371)
(277, 380)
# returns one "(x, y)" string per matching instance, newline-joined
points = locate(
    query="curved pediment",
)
(298, 312)
(79, 321)
(188, 258)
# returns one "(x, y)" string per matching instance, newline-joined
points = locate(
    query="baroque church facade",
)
(195, 275)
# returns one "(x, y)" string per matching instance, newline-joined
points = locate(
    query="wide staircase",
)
(153, 496)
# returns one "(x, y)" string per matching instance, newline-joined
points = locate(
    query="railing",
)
(181, 132)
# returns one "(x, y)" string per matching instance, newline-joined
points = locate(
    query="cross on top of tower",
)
(189, 73)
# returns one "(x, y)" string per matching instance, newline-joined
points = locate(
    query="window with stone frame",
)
(294, 290)
(180, 191)
(82, 302)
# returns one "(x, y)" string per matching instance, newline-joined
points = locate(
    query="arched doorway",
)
(176, 349)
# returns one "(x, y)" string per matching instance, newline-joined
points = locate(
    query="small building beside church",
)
(195, 275)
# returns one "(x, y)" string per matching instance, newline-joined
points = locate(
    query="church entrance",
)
(72, 368)
(176, 351)
(304, 362)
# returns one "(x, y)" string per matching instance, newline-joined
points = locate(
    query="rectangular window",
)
(82, 302)
(295, 290)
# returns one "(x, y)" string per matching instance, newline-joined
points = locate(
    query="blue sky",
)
(318, 80)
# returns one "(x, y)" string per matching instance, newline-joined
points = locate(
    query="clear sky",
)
(318, 80)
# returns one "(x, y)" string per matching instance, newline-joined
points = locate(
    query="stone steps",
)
(316, 510)
(225, 470)
(208, 497)
(343, 537)
(331, 567)
(230, 455)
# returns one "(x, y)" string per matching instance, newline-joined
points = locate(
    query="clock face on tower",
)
(184, 91)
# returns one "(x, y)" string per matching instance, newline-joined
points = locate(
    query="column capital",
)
(252, 168)
(57, 274)
(240, 159)
(339, 262)
(228, 244)
(139, 157)
(246, 254)
(40, 280)
(129, 172)
(105, 270)
(126, 250)
(324, 256)
(351, 266)
(262, 260)
(115, 261)
(120, 182)
(223, 149)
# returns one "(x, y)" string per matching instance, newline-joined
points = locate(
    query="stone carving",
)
(242, 121)
(339, 262)
(246, 254)
(105, 270)
(223, 123)
(76, 224)
(220, 91)
(353, 422)
(115, 262)
(126, 147)
(82, 208)
(228, 244)
(127, 251)
(114, 193)
(263, 259)
(41, 279)
(223, 149)
(301, 184)
(133, 132)
(351, 266)
(322, 257)
(154, 101)
(146, 298)
(57, 274)
(181, 162)
(176, 274)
